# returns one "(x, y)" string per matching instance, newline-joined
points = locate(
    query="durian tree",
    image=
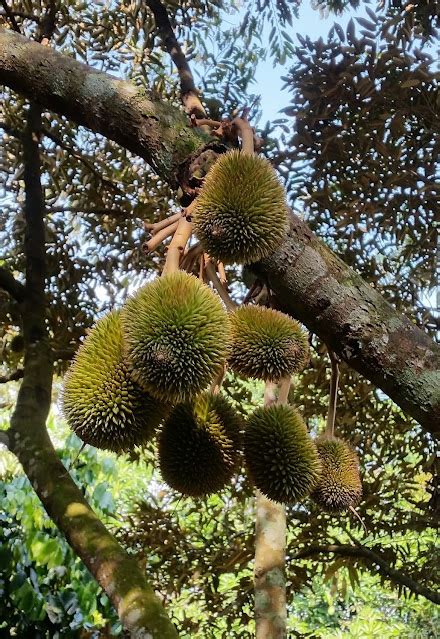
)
(93, 162)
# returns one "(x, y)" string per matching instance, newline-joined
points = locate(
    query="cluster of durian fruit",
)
(147, 368)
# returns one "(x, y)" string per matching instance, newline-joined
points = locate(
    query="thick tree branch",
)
(310, 282)
(356, 322)
(188, 89)
(373, 559)
(12, 286)
(119, 574)
(154, 130)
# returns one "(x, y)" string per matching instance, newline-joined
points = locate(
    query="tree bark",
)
(119, 574)
(154, 130)
(315, 286)
(270, 559)
(310, 281)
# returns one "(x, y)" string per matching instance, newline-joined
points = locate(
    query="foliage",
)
(372, 96)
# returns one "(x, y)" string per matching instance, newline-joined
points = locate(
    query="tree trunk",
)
(119, 574)
(311, 282)
(270, 559)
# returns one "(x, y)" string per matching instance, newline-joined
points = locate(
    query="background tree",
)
(88, 232)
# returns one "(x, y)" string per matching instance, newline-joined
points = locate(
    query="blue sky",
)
(268, 78)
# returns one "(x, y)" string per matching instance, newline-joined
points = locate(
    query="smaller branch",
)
(158, 226)
(333, 399)
(12, 377)
(159, 237)
(361, 552)
(246, 133)
(283, 392)
(11, 16)
(269, 393)
(220, 288)
(189, 92)
(179, 242)
(222, 273)
(190, 257)
(11, 285)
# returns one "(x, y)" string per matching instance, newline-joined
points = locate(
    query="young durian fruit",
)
(281, 458)
(101, 402)
(177, 336)
(241, 212)
(339, 487)
(266, 344)
(199, 445)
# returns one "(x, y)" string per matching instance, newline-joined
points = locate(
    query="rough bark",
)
(150, 128)
(311, 282)
(119, 574)
(270, 560)
(356, 322)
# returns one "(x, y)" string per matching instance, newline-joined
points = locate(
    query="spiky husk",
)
(340, 484)
(177, 335)
(199, 445)
(266, 344)
(101, 403)
(241, 212)
(281, 458)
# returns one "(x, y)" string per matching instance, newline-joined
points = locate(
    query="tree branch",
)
(117, 109)
(119, 574)
(310, 282)
(12, 377)
(188, 90)
(371, 557)
(12, 286)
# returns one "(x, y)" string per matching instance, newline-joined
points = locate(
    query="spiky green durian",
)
(101, 402)
(177, 336)
(266, 344)
(241, 212)
(199, 445)
(340, 484)
(281, 458)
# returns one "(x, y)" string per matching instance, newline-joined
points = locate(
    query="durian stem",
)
(247, 135)
(270, 554)
(221, 290)
(158, 226)
(333, 399)
(160, 236)
(217, 383)
(190, 257)
(179, 242)
(222, 272)
(283, 390)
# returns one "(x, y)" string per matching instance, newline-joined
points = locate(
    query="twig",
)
(12, 286)
(12, 377)
(162, 224)
(179, 242)
(333, 399)
(159, 237)
(189, 92)
(220, 288)
(218, 381)
(222, 273)
(191, 256)
(11, 16)
(246, 133)
(283, 390)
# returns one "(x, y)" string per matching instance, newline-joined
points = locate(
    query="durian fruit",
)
(281, 458)
(199, 445)
(177, 336)
(101, 403)
(266, 344)
(241, 212)
(339, 487)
